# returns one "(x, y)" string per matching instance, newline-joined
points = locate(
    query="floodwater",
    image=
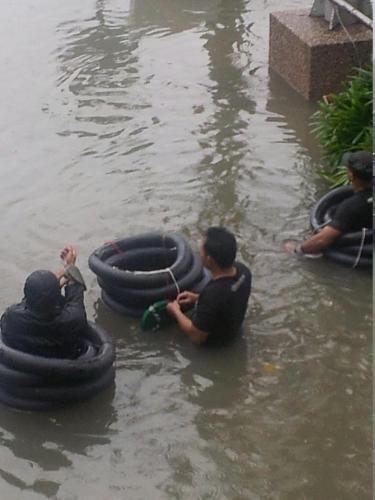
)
(119, 117)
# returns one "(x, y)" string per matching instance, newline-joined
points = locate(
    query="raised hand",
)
(68, 255)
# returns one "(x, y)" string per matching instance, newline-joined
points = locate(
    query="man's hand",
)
(173, 308)
(197, 336)
(69, 255)
(316, 243)
(290, 246)
(187, 298)
(60, 275)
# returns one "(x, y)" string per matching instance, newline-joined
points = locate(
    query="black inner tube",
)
(367, 250)
(84, 367)
(31, 382)
(134, 311)
(134, 277)
(144, 298)
(63, 392)
(27, 398)
(141, 280)
(348, 247)
(146, 260)
(119, 308)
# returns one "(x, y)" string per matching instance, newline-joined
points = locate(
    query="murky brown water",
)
(119, 117)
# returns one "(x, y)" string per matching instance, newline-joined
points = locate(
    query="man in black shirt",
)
(221, 306)
(352, 214)
(47, 323)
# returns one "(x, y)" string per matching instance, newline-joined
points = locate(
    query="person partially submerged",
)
(47, 322)
(221, 306)
(352, 214)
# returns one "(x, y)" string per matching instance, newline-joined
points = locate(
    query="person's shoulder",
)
(240, 265)
(348, 205)
(209, 288)
(367, 196)
(15, 310)
(212, 291)
(353, 203)
(242, 268)
(348, 202)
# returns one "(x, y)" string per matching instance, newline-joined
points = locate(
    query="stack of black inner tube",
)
(351, 249)
(29, 382)
(136, 272)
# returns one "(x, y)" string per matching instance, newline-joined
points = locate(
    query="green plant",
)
(344, 123)
(335, 178)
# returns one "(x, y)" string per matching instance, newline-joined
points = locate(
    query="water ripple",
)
(120, 117)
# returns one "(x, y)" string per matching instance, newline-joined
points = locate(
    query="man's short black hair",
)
(220, 244)
(360, 163)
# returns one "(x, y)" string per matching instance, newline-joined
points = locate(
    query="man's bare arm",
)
(315, 243)
(196, 336)
(321, 240)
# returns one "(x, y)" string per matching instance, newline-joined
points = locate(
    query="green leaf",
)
(345, 124)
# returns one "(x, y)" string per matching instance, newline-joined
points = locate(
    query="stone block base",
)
(312, 59)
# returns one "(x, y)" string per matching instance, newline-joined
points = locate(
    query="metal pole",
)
(355, 12)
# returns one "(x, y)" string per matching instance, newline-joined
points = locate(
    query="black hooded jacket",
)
(55, 333)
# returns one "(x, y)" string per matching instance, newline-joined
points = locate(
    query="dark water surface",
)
(118, 117)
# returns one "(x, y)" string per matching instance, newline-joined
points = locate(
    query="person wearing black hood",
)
(47, 322)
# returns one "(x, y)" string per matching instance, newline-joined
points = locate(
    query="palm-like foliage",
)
(345, 123)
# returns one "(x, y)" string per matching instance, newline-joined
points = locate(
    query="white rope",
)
(154, 271)
(358, 14)
(360, 248)
(174, 279)
(337, 11)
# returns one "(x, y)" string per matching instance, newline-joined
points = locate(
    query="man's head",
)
(219, 248)
(359, 165)
(42, 291)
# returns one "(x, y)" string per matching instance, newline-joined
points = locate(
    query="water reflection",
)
(98, 64)
(98, 47)
(56, 438)
(209, 386)
(162, 120)
(124, 330)
(223, 135)
(176, 16)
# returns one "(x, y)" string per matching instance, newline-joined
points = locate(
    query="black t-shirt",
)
(57, 334)
(354, 213)
(222, 304)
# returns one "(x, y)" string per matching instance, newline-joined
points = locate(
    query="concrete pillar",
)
(312, 59)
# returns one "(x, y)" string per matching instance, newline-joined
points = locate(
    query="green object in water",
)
(156, 316)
